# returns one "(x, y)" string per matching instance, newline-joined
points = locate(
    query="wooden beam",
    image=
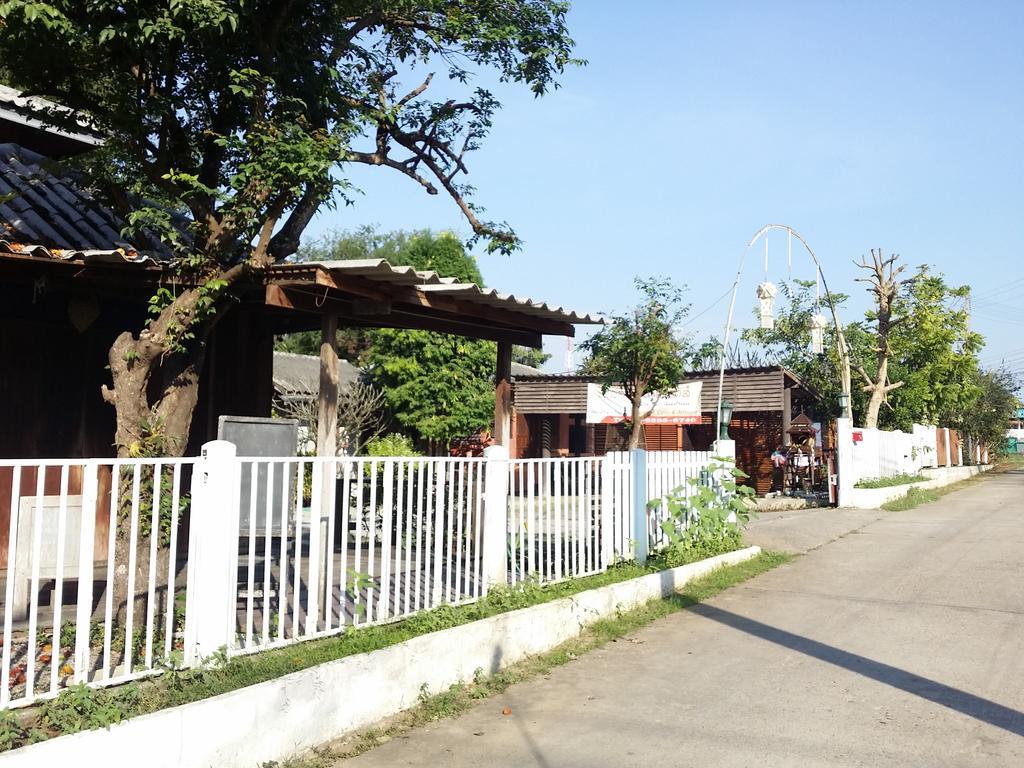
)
(787, 412)
(398, 293)
(503, 396)
(302, 301)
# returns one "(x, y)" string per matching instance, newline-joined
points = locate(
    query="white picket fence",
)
(51, 543)
(666, 472)
(280, 550)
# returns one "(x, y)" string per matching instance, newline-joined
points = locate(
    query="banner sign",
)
(613, 407)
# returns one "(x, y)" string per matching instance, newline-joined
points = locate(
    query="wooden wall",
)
(550, 395)
(757, 390)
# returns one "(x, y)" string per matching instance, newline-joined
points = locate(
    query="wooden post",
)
(327, 422)
(326, 447)
(503, 395)
(787, 412)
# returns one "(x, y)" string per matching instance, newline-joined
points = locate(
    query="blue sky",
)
(870, 124)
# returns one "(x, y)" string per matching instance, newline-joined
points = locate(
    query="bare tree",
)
(885, 286)
(360, 414)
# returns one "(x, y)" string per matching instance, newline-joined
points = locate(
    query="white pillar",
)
(495, 532)
(949, 452)
(844, 459)
(211, 593)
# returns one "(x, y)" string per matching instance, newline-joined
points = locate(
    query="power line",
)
(708, 308)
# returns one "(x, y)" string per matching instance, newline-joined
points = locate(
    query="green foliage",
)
(393, 444)
(788, 343)
(535, 358)
(889, 482)
(240, 116)
(438, 387)
(14, 734)
(914, 497)
(935, 355)
(147, 493)
(81, 708)
(986, 419)
(641, 351)
(706, 515)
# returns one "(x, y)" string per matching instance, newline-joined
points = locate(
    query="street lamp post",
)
(841, 348)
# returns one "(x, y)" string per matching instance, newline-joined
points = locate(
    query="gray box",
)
(256, 437)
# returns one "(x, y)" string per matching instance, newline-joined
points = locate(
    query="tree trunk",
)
(884, 285)
(636, 423)
(155, 390)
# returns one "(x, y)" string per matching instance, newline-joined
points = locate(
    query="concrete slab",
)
(898, 641)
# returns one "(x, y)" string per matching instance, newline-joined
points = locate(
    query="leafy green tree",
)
(935, 354)
(437, 386)
(985, 421)
(242, 119)
(789, 344)
(535, 358)
(642, 351)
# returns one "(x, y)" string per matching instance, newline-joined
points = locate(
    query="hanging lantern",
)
(818, 334)
(766, 293)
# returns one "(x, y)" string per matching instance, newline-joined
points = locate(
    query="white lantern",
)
(818, 334)
(766, 293)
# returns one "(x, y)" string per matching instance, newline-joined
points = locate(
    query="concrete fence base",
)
(873, 498)
(276, 719)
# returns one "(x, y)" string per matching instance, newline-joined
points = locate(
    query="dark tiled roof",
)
(44, 212)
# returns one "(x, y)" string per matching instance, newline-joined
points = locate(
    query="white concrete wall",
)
(873, 498)
(278, 718)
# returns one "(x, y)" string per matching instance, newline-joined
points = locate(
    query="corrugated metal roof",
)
(299, 375)
(380, 270)
(37, 112)
(44, 212)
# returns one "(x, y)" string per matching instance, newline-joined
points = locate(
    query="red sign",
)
(858, 436)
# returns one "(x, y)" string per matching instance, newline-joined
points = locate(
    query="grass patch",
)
(889, 482)
(915, 497)
(461, 697)
(80, 708)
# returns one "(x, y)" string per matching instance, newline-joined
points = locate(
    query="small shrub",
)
(393, 444)
(705, 515)
(81, 708)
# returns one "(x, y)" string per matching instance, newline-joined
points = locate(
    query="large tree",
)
(886, 317)
(985, 421)
(935, 354)
(642, 351)
(242, 119)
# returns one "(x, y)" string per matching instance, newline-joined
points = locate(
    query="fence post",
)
(495, 533)
(607, 519)
(638, 467)
(90, 494)
(949, 453)
(211, 591)
(724, 449)
(844, 460)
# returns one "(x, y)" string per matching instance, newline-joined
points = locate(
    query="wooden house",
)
(551, 417)
(70, 283)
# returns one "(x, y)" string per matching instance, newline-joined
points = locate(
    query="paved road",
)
(898, 641)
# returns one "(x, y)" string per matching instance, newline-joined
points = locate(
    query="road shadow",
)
(931, 690)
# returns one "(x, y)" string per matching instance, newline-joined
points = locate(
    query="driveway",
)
(897, 642)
